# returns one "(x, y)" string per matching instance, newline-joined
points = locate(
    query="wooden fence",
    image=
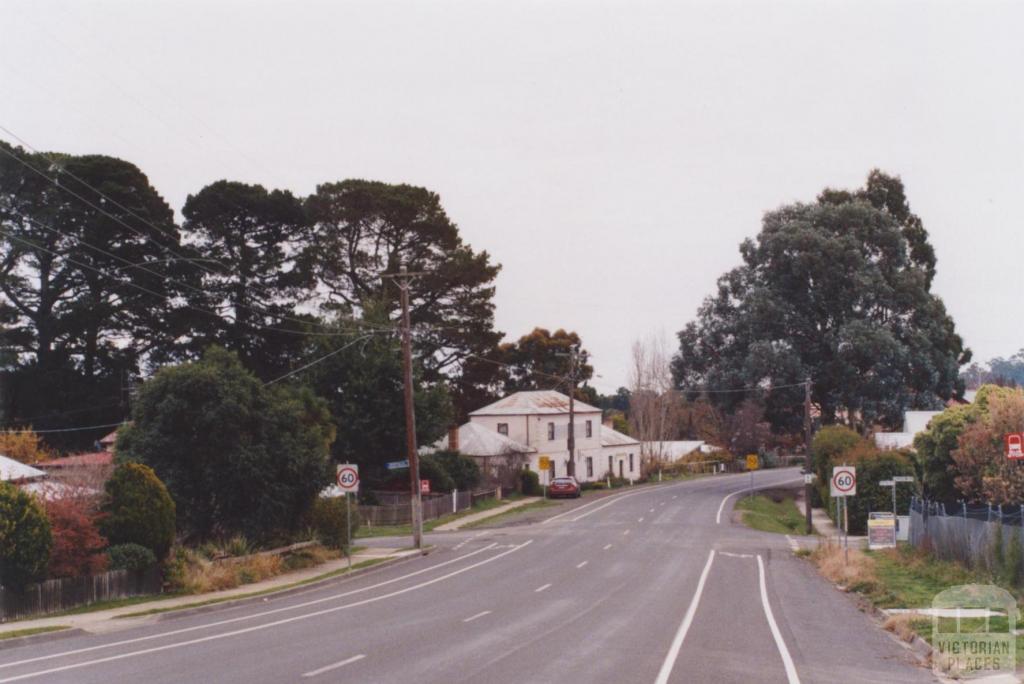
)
(54, 596)
(434, 506)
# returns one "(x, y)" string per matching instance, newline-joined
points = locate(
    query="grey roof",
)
(674, 450)
(15, 470)
(894, 440)
(614, 438)
(541, 402)
(477, 440)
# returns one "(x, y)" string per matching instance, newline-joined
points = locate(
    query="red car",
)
(564, 486)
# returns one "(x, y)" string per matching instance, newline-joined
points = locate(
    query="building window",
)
(503, 429)
(611, 466)
(590, 428)
(620, 469)
(631, 463)
(551, 432)
(590, 467)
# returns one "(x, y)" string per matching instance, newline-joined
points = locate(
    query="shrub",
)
(830, 442)
(330, 519)
(77, 544)
(873, 466)
(25, 538)
(24, 446)
(138, 509)
(463, 470)
(440, 480)
(529, 483)
(130, 557)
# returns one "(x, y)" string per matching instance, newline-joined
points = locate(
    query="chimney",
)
(453, 438)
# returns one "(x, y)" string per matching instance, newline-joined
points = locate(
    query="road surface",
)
(653, 585)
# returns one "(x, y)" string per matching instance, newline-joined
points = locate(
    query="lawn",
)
(772, 512)
(29, 632)
(366, 531)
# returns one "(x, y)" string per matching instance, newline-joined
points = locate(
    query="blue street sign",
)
(396, 465)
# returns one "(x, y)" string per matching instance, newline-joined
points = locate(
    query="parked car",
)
(564, 486)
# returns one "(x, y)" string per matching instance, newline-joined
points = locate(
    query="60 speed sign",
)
(348, 478)
(844, 481)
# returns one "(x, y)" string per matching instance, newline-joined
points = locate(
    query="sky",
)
(611, 156)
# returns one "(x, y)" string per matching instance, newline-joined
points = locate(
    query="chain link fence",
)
(969, 534)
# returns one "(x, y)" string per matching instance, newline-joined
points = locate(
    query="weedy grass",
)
(30, 632)
(774, 511)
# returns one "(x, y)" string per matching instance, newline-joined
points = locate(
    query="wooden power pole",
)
(571, 467)
(808, 466)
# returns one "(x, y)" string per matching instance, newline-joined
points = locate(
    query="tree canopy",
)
(838, 291)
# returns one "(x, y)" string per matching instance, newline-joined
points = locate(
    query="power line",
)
(322, 358)
(74, 429)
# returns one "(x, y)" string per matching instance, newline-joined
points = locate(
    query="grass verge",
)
(365, 532)
(29, 632)
(501, 517)
(772, 511)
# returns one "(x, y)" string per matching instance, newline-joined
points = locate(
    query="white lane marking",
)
(675, 496)
(735, 555)
(577, 509)
(264, 613)
(662, 503)
(684, 627)
(792, 543)
(615, 500)
(651, 511)
(640, 519)
(541, 588)
(787, 660)
(478, 615)
(267, 625)
(625, 533)
(718, 517)
(607, 546)
(335, 666)
(467, 540)
(580, 565)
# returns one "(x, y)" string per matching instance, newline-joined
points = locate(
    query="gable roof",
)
(98, 458)
(540, 402)
(614, 438)
(477, 440)
(11, 470)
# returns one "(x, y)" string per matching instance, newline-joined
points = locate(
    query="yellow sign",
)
(544, 463)
(752, 462)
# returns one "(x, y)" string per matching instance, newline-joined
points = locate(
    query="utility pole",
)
(402, 279)
(808, 467)
(571, 470)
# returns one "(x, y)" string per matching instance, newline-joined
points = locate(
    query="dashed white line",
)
(662, 503)
(787, 660)
(792, 543)
(335, 666)
(625, 533)
(541, 588)
(684, 627)
(580, 565)
(640, 519)
(477, 616)
(607, 546)
(675, 496)
(651, 511)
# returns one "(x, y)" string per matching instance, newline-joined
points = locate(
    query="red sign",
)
(424, 486)
(1015, 445)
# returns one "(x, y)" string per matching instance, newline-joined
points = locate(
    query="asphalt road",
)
(652, 585)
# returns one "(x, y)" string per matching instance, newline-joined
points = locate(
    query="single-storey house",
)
(498, 456)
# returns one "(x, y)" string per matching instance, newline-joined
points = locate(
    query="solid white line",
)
(335, 666)
(541, 588)
(615, 500)
(718, 517)
(580, 565)
(577, 509)
(253, 616)
(607, 546)
(267, 625)
(684, 627)
(264, 613)
(783, 651)
(478, 615)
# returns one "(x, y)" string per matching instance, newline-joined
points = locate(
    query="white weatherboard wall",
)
(532, 430)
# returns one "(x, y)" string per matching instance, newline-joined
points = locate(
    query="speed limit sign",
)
(348, 478)
(844, 481)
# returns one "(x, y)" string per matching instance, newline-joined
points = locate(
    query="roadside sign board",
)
(903, 478)
(882, 532)
(397, 465)
(544, 463)
(424, 486)
(887, 483)
(809, 478)
(1015, 445)
(752, 462)
(347, 478)
(844, 481)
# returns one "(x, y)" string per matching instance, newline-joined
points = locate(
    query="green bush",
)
(130, 557)
(440, 480)
(25, 538)
(529, 483)
(873, 466)
(830, 442)
(463, 470)
(138, 509)
(330, 520)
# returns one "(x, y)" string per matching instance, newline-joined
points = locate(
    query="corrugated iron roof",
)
(477, 440)
(541, 402)
(614, 438)
(98, 458)
(12, 471)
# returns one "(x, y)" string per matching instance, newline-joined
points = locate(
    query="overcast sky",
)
(611, 156)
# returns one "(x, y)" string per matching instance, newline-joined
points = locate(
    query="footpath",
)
(484, 515)
(823, 524)
(113, 619)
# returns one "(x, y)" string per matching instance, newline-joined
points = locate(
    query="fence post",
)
(455, 501)
(988, 518)
(964, 504)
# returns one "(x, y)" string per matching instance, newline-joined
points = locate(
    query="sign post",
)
(544, 465)
(1015, 446)
(752, 465)
(347, 477)
(844, 484)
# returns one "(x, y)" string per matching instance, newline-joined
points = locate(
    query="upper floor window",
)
(503, 429)
(551, 431)
(590, 428)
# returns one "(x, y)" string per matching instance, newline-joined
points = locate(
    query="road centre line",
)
(787, 660)
(577, 509)
(541, 588)
(613, 500)
(625, 533)
(640, 519)
(255, 628)
(335, 666)
(580, 565)
(478, 615)
(607, 546)
(651, 511)
(264, 613)
(684, 627)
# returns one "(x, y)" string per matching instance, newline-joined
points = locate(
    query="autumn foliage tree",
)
(24, 446)
(77, 544)
(981, 470)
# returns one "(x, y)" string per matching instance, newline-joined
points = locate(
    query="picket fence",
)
(54, 596)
